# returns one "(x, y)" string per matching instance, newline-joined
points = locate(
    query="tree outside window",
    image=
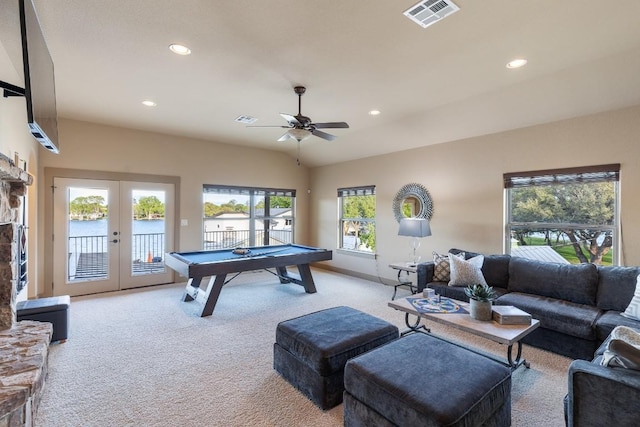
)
(572, 212)
(357, 218)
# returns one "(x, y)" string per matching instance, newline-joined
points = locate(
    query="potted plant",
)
(480, 299)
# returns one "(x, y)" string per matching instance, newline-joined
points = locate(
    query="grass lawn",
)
(566, 251)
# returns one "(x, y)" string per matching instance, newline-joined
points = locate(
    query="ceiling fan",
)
(301, 127)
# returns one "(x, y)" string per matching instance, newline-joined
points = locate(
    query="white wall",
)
(464, 179)
(15, 138)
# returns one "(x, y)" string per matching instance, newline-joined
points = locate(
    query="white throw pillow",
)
(466, 272)
(633, 310)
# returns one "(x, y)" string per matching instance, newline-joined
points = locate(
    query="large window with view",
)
(244, 216)
(564, 215)
(357, 218)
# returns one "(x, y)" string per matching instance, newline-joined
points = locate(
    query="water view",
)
(99, 227)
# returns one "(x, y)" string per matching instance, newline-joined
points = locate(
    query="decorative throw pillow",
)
(441, 269)
(465, 273)
(633, 310)
(623, 349)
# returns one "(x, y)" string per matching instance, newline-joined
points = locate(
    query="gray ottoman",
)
(421, 380)
(310, 351)
(54, 310)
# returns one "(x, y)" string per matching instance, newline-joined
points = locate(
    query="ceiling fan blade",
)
(284, 137)
(270, 126)
(334, 125)
(291, 119)
(323, 135)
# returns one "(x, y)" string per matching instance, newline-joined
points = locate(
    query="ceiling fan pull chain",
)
(298, 157)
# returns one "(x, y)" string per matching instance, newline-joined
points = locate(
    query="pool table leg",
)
(191, 290)
(307, 278)
(208, 297)
(212, 294)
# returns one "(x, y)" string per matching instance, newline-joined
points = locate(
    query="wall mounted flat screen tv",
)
(39, 79)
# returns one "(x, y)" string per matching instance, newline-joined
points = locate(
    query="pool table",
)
(216, 264)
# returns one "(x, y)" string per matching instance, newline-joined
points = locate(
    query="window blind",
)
(599, 173)
(229, 189)
(367, 190)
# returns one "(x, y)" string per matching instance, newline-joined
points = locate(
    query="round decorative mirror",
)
(413, 201)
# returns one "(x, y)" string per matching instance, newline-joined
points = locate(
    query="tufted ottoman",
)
(421, 380)
(311, 350)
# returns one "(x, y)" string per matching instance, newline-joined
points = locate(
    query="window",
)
(564, 215)
(244, 216)
(357, 218)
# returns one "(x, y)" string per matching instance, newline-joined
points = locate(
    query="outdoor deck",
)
(94, 266)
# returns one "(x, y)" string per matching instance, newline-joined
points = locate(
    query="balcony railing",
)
(241, 238)
(88, 256)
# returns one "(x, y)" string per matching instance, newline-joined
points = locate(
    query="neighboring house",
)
(232, 229)
(280, 220)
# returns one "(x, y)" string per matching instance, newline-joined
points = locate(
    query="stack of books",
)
(510, 315)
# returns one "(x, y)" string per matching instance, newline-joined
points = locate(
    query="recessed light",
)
(374, 112)
(149, 103)
(179, 49)
(517, 63)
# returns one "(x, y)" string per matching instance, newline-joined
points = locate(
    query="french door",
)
(110, 235)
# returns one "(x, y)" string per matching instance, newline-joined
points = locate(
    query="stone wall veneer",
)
(13, 185)
(24, 351)
(24, 346)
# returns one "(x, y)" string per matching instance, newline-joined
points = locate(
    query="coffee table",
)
(503, 334)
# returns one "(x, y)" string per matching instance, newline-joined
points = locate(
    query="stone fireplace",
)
(13, 186)
(24, 346)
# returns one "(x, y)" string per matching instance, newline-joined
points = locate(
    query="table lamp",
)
(416, 228)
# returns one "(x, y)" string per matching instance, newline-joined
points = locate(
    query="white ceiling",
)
(433, 85)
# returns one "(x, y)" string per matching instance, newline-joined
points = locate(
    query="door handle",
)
(115, 241)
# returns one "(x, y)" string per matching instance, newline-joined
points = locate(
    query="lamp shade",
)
(414, 227)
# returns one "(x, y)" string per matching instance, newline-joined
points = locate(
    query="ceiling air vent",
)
(246, 119)
(429, 12)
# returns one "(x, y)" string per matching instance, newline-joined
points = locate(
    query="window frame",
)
(255, 194)
(576, 175)
(367, 190)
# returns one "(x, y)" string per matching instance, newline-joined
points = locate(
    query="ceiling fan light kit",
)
(297, 134)
(302, 127)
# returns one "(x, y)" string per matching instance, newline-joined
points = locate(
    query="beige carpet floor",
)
(144, 358)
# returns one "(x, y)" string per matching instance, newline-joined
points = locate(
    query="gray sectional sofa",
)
(602, 395)
(577, 305)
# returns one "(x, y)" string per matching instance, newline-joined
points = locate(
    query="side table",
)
(405, 269)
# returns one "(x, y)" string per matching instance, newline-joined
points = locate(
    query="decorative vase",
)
(480, 310)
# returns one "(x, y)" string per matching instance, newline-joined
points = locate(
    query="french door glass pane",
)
(148, 231)
(87, 245)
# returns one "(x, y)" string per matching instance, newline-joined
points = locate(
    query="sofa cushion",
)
(562, 316)
(609, 320)
(496, 270)
(616, 286)
(569, 282)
